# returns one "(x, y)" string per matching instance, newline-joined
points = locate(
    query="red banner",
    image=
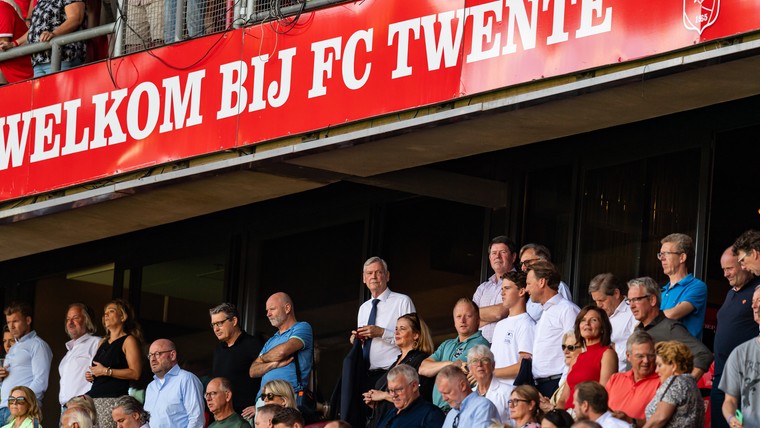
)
(345, 63)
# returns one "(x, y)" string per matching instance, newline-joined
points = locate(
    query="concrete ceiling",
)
(396, 160)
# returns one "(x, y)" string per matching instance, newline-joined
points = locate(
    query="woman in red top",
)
(598, 361)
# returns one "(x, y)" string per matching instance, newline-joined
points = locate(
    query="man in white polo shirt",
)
(558, 317)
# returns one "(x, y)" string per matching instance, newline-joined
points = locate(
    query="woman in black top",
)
(414, 341)
(117, 361)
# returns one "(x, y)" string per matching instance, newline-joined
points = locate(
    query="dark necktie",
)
(371, 321)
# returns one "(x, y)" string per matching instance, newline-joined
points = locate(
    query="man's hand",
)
(5, 45)
(249, 412)
(369, 331)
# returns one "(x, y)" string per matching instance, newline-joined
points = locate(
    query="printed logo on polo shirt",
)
(508, 337)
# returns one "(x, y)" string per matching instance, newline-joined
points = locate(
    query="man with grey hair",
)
(129, 413)
(480, 364)
(219, 402)
(529, 254)
(468, 409)
(80, 350)
(684, 297)
(377, 317)
(631, 391)
(233, 357)
(411, 410)
(644, 299)
(609, 295)
(76, 417)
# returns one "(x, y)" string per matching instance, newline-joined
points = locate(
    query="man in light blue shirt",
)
(175, 397)
(468, 409)
(28, 361)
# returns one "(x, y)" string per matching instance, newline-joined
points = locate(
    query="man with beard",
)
(292, 340)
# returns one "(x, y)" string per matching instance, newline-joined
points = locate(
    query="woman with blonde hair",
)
(415, 343)
(85, 402)
(25, 412)
(279, 392)
(677, 402)
(117, 361)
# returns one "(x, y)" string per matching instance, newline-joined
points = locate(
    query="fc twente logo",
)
(700, 14)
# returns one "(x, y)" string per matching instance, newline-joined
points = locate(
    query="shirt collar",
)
(29, 336)
(621, 308)
(74, 342)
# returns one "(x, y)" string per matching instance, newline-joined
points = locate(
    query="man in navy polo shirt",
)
(736, 325)
(412, 411)
(684, 298)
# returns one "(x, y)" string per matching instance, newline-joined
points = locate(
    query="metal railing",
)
(244, 13)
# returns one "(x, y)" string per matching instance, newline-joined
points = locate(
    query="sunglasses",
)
(570, 348)
(16, 400)
(269, 396)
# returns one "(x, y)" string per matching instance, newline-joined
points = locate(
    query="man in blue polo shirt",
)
(684, 298)
(292, 340)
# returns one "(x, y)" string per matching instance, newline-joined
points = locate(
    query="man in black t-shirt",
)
(233, 357)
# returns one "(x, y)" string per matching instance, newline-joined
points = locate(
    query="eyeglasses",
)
(570, 348)
(741, 259)
(628, 301)
(660, 255)
(644, 356)
(219, 323)
(157, 354)
(394, 391)
(513, 402)
(526, 262)
(211, 394)
(479, 361)
(269, 396)
(16, 400)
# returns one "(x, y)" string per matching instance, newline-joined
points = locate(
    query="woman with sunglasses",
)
(571, 349)
(414, 340)
(524, 407)
(25, 413)
(598, 361)
(279, 392)
(117, 361)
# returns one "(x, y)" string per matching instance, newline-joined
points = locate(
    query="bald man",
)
(175, 397)
(292, 340)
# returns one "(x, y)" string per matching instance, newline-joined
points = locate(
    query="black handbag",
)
(306, 400)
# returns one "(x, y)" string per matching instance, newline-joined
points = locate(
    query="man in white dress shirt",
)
(558, 317)
(80, 350)
(529, 254)
(609, 295)
(502, 253)
(379, 335)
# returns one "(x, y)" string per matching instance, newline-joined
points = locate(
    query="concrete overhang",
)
(387, 152)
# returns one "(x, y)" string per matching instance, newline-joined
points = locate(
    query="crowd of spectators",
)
(559, 368)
